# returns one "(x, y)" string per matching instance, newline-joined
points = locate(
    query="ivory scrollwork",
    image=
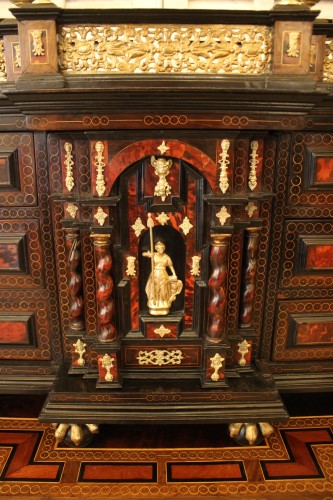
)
(223, 215)
(243, 349)
(38, 48)
(130, 271)
(162, 169)
(328, 61)
(195, 271)
(107, 363)
(69, 181)
(186, 226)
(3, 73)
(224, 162)
(100, 216)
(80, 349)
(216, 364)
(100, 165)
(162, 331)
(252, 182)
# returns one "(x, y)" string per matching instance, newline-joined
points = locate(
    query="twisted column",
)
(76, 304)
(249, 277)
(104, 288)
(217, 286)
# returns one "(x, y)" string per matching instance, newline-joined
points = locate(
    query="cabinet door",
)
(300, 293)
(29, 328)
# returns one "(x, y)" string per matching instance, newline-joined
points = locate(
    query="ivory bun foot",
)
(75, 434)
(250, 433)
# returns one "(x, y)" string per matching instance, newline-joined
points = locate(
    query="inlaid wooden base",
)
(249, 398)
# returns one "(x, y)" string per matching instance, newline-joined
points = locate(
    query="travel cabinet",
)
(166, 203)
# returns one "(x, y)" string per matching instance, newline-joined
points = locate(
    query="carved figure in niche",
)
(161, 288)
(162, 169)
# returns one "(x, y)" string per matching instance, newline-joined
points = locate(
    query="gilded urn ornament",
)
(161, 288)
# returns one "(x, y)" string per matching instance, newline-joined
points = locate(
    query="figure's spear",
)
(150, 224)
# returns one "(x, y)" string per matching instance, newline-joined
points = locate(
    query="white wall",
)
(325, 6)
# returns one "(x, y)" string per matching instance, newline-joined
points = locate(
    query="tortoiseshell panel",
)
(17, 170)
(16, 331)
(309, 332)
(324, 170)
(319, 257)
(21, 263)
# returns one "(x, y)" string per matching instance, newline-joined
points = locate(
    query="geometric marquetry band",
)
(214, 49)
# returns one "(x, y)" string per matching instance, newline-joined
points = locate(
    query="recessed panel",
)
(13, 254)
(17, 170)
(319, 257)
(17, 329)
(303, 331)
(313, 331)
(9, 170)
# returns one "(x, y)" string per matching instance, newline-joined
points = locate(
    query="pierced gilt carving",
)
(138, 227)
(107, 363)
(252, 182)
(294, 48)
(328, 61)
(80, 349)
(243, 349)
(250, 208)
(160, 357)
(130, 271)
(216, 364)
(162, 331)
(224, 162)
(38, 48)
(162, 169)
(186, 226)
(195, 271)
(223, 215)
(218, 49)
(3, 73)
(69, 181)
(100, 216)
(17, 55)
(72, 210)
(163, 218)
(163, 148)
(100, 165)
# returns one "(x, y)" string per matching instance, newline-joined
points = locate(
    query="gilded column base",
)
(250, 433)
(75, 434)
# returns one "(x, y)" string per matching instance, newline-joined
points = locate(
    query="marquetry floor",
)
(178, 462)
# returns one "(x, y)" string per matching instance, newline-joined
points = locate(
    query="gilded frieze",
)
(215, 49)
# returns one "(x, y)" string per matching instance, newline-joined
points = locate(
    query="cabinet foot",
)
(75, 434)
(250, 433)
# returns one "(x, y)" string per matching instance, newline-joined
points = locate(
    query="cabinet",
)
(166, 215)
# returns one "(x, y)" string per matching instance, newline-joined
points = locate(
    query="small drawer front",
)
(21, 262)
(161, 357)
(24, 325)
(304, 331)
(17, 170)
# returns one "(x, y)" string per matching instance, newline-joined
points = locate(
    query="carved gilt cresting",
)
(214, 49)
